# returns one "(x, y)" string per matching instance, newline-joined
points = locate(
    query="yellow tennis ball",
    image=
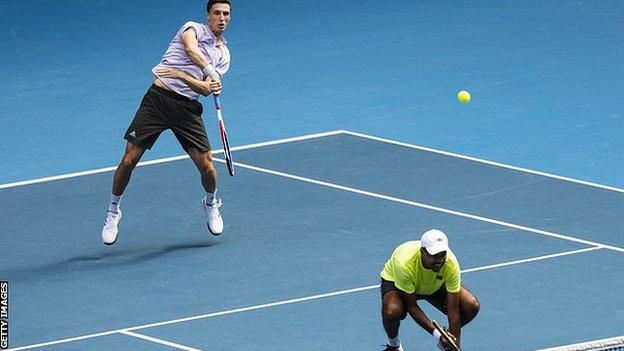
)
(463, 97)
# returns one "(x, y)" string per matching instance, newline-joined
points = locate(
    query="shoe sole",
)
(203, 203)
(116, 237)
(207, 225)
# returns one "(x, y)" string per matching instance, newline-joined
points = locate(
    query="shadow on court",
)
(105, 258)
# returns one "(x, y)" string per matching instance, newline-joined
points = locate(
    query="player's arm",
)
(416, 312)
(191, 47)
(419, 316)
(203, 87)
(453, 315)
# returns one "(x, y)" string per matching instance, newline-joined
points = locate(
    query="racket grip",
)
(217, 101)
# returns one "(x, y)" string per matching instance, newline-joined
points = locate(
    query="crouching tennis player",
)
(424, 270)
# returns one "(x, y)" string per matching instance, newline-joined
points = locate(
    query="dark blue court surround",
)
(545, 78)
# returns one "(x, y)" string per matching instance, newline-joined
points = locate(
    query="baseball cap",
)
(434, 241)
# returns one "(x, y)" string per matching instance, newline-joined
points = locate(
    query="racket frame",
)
(446, 336)
(224, 139)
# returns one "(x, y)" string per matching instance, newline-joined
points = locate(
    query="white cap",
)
(434, 241)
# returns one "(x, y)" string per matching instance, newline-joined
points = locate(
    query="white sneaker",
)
(393, 348)
(215, 222)
(109, 232)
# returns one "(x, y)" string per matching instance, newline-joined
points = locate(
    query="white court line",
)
(158, 341)
(426, 206)
(166, 159)
(84, 173)
(350, 291)
(64, 341)
(320, 135)
(594, 344)
(288, 140)
(480, 160)
(532, 259)
(287, 302)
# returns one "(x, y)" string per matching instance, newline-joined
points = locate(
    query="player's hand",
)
(215, 86)
(168, 72)
(447, 345)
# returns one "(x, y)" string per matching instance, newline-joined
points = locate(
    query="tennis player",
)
(424, 270)
(195, 61)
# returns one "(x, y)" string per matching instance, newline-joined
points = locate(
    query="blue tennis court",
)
(348, 140)
(304, 264)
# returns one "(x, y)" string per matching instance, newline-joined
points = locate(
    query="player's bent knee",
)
(394, 312)
(129, 162)
(470, 310)
(205, 164)
(208, 169)
(475, 306)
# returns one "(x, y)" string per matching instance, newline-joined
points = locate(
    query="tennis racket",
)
(448, 339)
(224, 139)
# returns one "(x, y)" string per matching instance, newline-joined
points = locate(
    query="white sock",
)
(114, 203)
(211, 197)
(394, 342)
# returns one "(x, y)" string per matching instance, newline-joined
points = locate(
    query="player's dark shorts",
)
(162, 109)
(437, 299)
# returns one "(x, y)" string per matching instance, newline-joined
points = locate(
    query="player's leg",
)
(140, 135)
(129, 160)
(210, 203)
(205, 166)
(468, 304)
(188, 127)
(393, 310)
(132, 155)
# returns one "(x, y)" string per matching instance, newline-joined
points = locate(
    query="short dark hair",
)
(212, 2)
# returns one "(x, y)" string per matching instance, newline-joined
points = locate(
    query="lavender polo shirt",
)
(175, 57)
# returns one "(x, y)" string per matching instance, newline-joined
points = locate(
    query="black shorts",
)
(162, 109)
(437, 299)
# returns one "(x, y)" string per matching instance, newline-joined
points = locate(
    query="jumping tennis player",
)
(195, 61)
(424, 270)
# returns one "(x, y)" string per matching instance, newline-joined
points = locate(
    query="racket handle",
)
(217, 101)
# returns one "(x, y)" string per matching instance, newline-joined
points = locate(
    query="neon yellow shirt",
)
(405, 269)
